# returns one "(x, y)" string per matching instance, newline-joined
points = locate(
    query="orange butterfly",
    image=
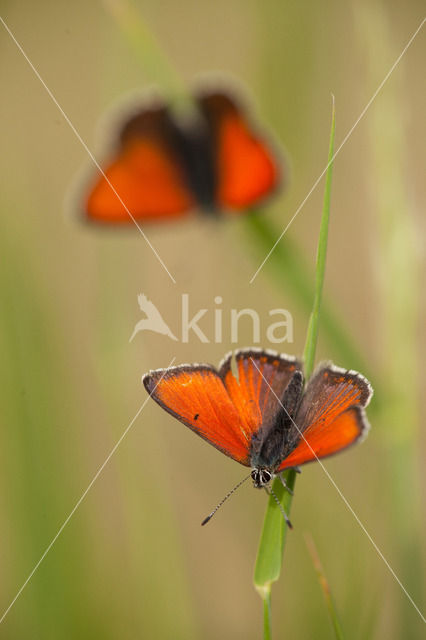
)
(162, 169)
(266, 420)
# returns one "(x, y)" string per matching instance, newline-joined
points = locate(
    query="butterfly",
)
(266, 419)
(162, 168)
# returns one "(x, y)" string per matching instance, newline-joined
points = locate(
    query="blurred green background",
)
(133, 562)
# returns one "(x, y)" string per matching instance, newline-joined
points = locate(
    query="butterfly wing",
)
(246, 169)
(331, 416)
(197, 397)
(263, 377)
(214, 404)
(145, 179)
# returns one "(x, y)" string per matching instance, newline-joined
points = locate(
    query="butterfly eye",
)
(261, 477)
(265, 476)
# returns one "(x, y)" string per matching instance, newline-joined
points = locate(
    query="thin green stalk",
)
(267, 629)
(325, 587)
(271, 546)
(313, 327)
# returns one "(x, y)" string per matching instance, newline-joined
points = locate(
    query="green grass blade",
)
(325, 587)
(313, 327)
(272, 540)
(271, 546)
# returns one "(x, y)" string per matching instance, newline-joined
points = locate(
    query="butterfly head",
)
(261, 477)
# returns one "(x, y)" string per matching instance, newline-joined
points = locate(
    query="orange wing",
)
(263, 377)
(322, 441)
(247, 171)
(331, 416)
(197, 397)
(221, 409)
(145, 178)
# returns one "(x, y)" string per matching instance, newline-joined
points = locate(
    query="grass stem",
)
(267, 632)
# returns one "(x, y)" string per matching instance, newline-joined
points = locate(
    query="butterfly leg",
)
(271, 492)
(297, 469)
(285, 485)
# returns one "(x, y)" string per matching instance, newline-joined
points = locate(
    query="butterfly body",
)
(188, 143)
(273, 442)
(164, 166)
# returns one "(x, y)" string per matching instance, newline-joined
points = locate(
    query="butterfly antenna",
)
(272, 493)
(228, 495)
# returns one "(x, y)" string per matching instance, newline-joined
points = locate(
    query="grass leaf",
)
(269, 558)
(313, 327)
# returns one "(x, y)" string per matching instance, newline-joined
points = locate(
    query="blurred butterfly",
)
(163, 167)
(266, 420)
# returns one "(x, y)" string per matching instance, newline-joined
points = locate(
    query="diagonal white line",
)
(82, 142)
(345, 139)
(80, 500)
(345, 500)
